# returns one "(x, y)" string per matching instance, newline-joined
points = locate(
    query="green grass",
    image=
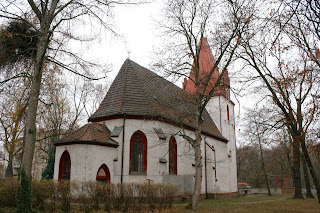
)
(254, 204)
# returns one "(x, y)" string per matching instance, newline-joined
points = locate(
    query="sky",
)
(137, 27)
(139, 37)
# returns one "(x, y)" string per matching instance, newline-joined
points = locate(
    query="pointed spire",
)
(206, 64)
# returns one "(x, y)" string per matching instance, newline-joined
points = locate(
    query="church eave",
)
(98, 143)
(157, 118)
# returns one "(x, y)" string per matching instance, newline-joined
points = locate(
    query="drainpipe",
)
(215, 164)
(205, 166)
(122, 148)
(235, 143)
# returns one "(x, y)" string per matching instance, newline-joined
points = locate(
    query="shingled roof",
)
(139, 92)
(91, 133)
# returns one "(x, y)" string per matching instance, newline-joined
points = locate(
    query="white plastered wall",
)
(86, 159)
(217, 108)
(158, 148)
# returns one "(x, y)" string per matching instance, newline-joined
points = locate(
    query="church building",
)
(135, 136)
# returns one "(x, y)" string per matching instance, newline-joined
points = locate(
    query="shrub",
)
(107, 196)
(167, 194)
(8, 192)
(41, 192)
(130, 197)
(52, 189)
(151, 194)
(64, 193)
(89, 194)
(127, 197)
(52, 196)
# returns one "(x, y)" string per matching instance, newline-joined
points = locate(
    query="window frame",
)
(145, 154)
(107, 171)
(62, 166)
(228, 113)
(173, 149)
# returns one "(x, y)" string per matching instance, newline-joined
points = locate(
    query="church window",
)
(103, 174)
(172, 156)
(228, 113)
(65, 166)
(138, 153)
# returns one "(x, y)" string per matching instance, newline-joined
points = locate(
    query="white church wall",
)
(227, 129)
(116, 176)
(86, 160)
(158, 148)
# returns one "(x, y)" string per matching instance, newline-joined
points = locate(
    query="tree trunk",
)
(264, 169)
(296, 170)
(306, 177)
(24, 191)
(198, 172)
(9, 170)
(311, 168)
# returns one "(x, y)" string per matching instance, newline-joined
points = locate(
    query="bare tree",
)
(66, 103)
(13, 104)
(289, 75)
(50, 17)
(258, 129)
(248, 166)
(187, 23)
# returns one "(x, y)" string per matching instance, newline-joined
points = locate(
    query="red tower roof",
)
(206, 64)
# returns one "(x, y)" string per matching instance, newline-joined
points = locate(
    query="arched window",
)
(172, 156)
(65, 166)
(138, 153)
(103, 174)
(228, 113)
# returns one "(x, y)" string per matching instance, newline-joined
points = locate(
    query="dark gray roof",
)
(136, 91)
(92, 133)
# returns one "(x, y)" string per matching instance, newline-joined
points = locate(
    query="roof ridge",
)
(124, 84)
(135, 72)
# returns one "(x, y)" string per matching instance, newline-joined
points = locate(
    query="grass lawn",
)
(254, 204)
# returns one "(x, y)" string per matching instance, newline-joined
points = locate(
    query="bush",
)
(52, 196)
(64, 194)
(41, 192)
(137, 197)
(90, 195)
(8, 192)
(167, 194)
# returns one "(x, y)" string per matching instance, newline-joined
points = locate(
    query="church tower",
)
(220, 107)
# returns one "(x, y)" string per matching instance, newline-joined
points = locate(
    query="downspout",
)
(235, 144)
(122, 149)
(124, 119)
(205, 166)
(215, 164)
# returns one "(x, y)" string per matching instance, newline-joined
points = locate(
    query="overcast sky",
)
(136, 24)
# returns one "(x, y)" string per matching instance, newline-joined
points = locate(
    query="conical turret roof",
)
(91, 133)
